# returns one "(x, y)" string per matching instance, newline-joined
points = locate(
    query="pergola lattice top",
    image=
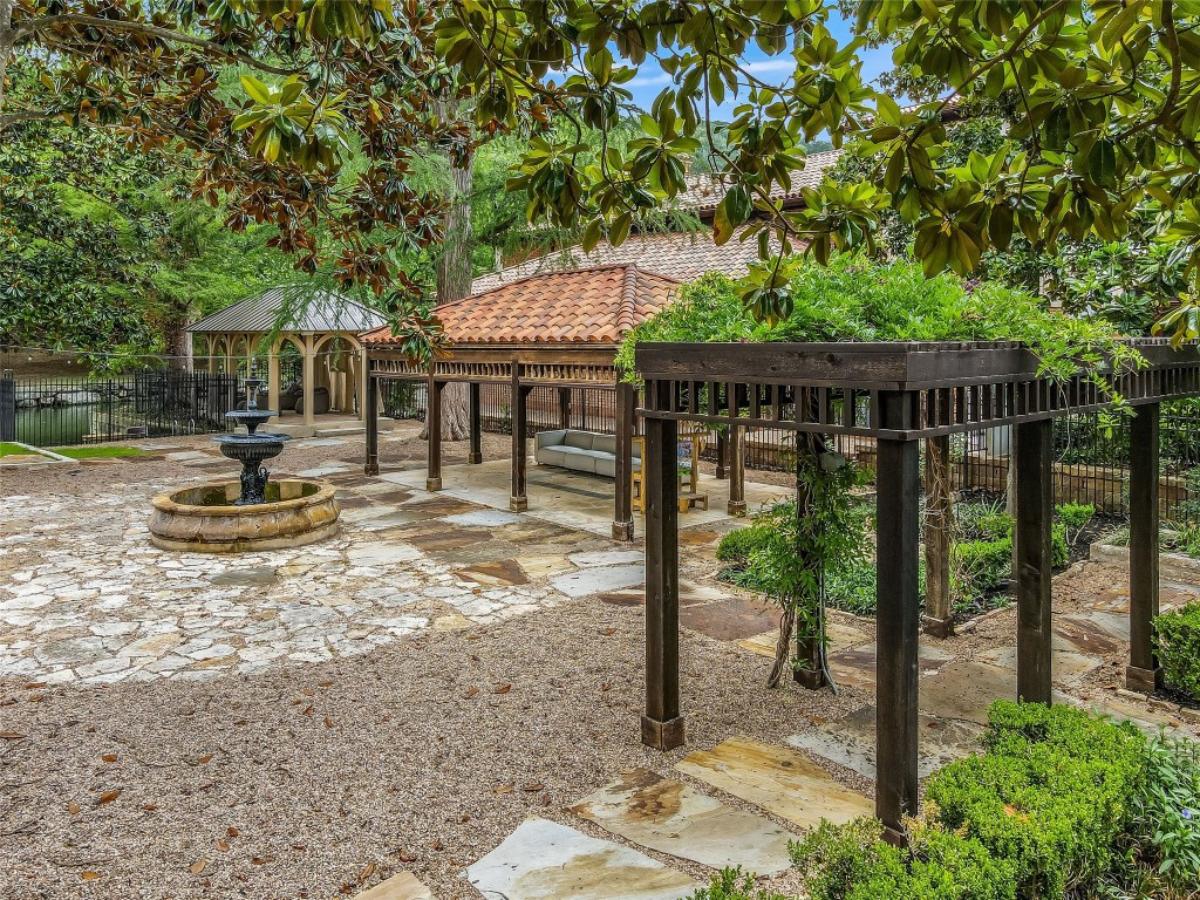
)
(946, 386)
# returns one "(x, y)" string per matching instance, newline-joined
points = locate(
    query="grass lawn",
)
(99, 452)
(10, 449)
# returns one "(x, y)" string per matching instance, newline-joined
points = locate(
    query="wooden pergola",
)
(552, 329)
(900, 394)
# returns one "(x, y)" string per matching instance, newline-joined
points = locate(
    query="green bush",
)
(1075, 516)
(1166, 827)
(980, 566)
(734, 884)
(1051, 794)
(1178, 637)
(736, 546)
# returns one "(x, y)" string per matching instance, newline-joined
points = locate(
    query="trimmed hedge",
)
(1178, 636)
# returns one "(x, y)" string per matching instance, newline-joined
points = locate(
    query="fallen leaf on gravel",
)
(308, 692)
(502, 689)
(207, 757)
(223, 845)
(328, 722)
(437, 844)
(503, 789)
(34, 685)
(367, 871)
(405, 856)
(199, 866)
(11, 735)
(545, 799)
(308, 711)
(464, 818)
(89, 875)
(149, 807)
(109, 757)
(258, 860)
(471, 692)
(532, 787)
(232, 831)
(327, 683)
(608, 631)
(299, 846)
(108, 796)
(606, 686)
(73, 808)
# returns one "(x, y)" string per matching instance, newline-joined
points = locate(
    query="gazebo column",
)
(518, 501)
(564, 407)
(371, 417)
(310, 377)
(1143, 672)
(273, 380)
(897, 617)
(662, 725)
(1032, 557)
(475, 454)
(622, 528)
(433, 430)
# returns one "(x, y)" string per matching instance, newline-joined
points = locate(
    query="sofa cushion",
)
(550, 438)
(607, 467)
(605, 443)
(580, 439)
(551, 456)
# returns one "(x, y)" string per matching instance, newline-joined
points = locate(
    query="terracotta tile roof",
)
(706, 191)
(582, 306)
(682, 256)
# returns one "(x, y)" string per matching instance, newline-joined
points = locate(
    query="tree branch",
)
(44, 23)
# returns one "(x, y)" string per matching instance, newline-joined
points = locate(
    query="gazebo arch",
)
(556, 329)
(323, 317)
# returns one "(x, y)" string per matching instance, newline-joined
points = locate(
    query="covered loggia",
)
(900, 394)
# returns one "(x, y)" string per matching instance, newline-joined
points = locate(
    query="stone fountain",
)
(252, 513)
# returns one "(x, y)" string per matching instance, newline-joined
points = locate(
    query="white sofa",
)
(581, 451)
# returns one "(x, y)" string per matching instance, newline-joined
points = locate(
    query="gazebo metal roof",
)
(324, 311)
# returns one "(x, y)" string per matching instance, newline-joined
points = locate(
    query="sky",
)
(652, 79)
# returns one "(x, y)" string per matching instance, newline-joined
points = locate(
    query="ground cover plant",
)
(99, 452)
(1060, 803)
(7, 448)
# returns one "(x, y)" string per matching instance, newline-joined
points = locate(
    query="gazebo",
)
(559, 329)
(311, 324)
(909, 392)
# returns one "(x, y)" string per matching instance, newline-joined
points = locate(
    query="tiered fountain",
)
(252, 513)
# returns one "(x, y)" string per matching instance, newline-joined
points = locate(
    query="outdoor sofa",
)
(581, 451)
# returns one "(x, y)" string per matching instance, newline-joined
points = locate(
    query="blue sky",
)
(652, 79)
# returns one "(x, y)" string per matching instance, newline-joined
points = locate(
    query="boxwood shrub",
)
(1178, 636)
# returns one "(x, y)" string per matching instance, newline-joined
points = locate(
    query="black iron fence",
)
(70, 410)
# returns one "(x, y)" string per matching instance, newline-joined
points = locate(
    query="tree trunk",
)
(454, 273)
(176, 337)
(783, 646)
(7, 40)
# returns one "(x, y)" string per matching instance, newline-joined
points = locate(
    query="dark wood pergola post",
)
(371, 414)
(517, 501)
(564, 407)
(722, 444)
(433, 430)
(1143, 672)
(475, 454)
(897, 617)
(662, 725)
(622, 527)
(737, 463)
(1032, 557)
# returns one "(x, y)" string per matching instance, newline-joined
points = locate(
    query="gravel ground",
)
(313, 781)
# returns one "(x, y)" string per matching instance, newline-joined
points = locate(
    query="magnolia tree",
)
(1104, 98)
(1104, 101)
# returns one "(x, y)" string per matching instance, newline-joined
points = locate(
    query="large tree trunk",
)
(7, 39)
(454, 272)
(176, 338)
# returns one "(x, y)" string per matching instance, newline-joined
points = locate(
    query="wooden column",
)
(310, 379)
(622, 527)
(897, 619)
(722, 448)
(1143, 672)
(475, 454)
(433, 430)
(737, 463)
(371, 421)
(939, 521)
(662, 725)
(518, 501)
(273, 381)
(1034, 511)
(564, 407)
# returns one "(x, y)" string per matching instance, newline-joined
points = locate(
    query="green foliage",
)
(979, 567)
(734, 884)
(1075, 516)
(1177, 634)
(1166, 818)
(1052, 793)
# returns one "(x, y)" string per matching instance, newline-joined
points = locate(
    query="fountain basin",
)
(204, 519)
